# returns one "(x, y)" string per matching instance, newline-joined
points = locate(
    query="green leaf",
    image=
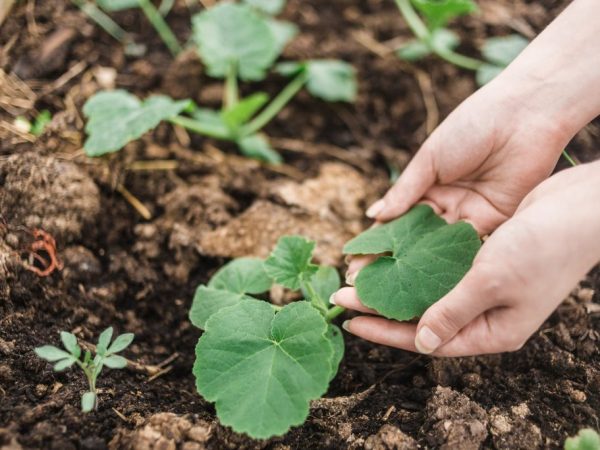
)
(283, 32)
(324, 282)
(212, 119)
(262, 369)
(117, 5)
(257, 146)
(290, 68)
(501, 51)
(115, 362)
(486, 73)
(40, 122)
(118, 117)
(586, 439)
(64, 364)
(289, 263)
(443, 39)
(242, 112)
(336, 338)
(272, 7)
(208, 301)
(104, 341)
(413, 50)
(51, 353)
(121, 343)
(70, 343)
(235, 34)
(88, 402)
(331, 80)
(429, 257)
(242, 276)
(439, 12)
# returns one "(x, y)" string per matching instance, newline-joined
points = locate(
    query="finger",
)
(444, 319)
(348, 298)
(383, 331)
(357, 263)
(410, 187)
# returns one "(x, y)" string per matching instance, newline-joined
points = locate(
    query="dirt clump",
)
(390, 437)
(513, 429)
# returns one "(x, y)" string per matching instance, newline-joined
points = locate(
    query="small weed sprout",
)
(106, 355)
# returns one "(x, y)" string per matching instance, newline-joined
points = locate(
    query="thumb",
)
(444, 319)
(419, 175)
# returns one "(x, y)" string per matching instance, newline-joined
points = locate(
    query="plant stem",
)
(332, 313)
(314, 297)
(103, 20)
(231, 93)
(165, 7)
(276, 105)
(200, 128)
(569, 158)
(161, 26)
(423, 33)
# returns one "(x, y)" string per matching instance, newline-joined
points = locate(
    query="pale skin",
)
(488, 163)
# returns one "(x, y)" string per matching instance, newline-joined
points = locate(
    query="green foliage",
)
(106, 355)
(118, 117)
(438, 13)
(117, 5)
(586, 439)
(499, 52)
(40, 122)
(262, 364)
(428, 258)
(257, 146)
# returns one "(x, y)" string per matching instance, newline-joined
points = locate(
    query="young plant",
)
(586, 439)
(432, 37)
(106, 355)
(426, 259)
(37, 125)
(236, 41)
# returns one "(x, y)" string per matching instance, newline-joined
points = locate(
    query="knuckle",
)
(442, 321)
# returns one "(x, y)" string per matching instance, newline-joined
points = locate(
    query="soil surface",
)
(209, 205)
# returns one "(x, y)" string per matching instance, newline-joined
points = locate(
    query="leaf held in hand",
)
(262, 369)
(428, 258)
(289, 264)
(118, 117)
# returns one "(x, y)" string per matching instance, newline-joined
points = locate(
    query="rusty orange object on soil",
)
(43, 241)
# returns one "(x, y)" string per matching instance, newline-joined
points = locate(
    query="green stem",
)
(165, 7)
(332, 313)
(103, 20)
(161, 26)
(200, 128)
(276, 105)
(231, 93)
(569, 158)
(423, 33)
(314, 297)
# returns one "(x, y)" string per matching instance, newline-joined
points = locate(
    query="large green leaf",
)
(439, 12)
(324, 282)
(208, 301)
(272, 7)
(289, 263)
(262, 369)
(118, 117)
(429, 257)
(235, 34)
(242, 276)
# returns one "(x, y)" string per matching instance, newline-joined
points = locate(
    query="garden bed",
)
(209, 204)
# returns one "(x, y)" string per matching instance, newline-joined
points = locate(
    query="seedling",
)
(586, 439)
(427, 258)
(35, 127)
(106, 355)
(432, 37)
(235, 42)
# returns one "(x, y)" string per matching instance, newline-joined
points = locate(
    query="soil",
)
(139, 275)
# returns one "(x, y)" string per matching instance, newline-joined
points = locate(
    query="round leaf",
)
(262, 369)
(289, 264)
(208, 301)
(233, 34)
(243, 276)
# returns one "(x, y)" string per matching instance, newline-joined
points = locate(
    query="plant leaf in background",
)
(271, 7)
(499, 52)
(118, 117)
(257, 146)
(439, 12)
(586, 439)
(263, 368)
(324, 282)
(234, 34)
(413, 50)
(117, 5)
(283, 32)
(290, 262)
(242, 111)
(429, 257)
(336, 338)
(443, 39)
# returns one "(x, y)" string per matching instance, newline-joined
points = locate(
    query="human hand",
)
(520, 275)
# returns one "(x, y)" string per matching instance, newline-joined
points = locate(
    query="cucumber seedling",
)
(262, 364)
(235, 41)
(106, 356)
(428, 20)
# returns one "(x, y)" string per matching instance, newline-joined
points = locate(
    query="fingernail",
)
(350, 278)
(375, 209)
(427, 341)
(346, 325)
(332, 299)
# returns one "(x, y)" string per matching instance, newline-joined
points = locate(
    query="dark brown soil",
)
(139, 275)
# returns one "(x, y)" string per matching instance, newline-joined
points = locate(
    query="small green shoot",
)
(586, 439)
(427, 259)
(106, 355)
(37, 126)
